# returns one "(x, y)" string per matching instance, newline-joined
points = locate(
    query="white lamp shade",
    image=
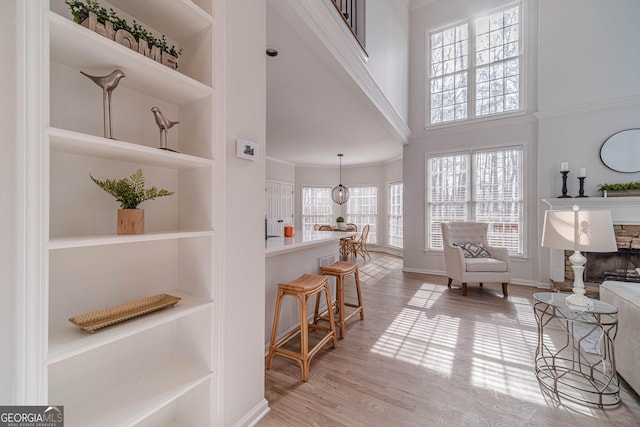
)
(585, 231)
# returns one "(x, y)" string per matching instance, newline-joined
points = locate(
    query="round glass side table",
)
(575, 356)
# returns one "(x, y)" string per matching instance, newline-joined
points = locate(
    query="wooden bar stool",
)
(341, 269)
(302, 288)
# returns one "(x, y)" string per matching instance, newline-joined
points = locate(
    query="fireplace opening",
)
(612, 265)
(621, 265)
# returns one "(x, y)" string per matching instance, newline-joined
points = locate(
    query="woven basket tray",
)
(95, 320)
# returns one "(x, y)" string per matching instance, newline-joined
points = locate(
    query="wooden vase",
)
(130, 221)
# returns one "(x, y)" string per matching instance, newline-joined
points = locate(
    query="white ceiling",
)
(314, 111)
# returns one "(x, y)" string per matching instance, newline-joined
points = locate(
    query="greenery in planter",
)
(340, 219)
(80, 11)
(620, 187)
(130, 192)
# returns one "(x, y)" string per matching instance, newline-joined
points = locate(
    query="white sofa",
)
(625, 296)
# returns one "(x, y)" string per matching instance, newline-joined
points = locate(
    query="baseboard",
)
(252, 417)
(423, 271)
(386, 250)
(530, 283)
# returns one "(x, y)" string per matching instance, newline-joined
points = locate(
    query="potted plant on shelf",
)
(340, 223)
(130, 192)
(617, 190)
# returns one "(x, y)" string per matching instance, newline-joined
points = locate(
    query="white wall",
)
(280, 171)
(588, 52)
(379, 175)
(517, 130)
(503, 133)
(244, 303)
(9, 206)
(387, 43)
(582, 87)
(589, 89)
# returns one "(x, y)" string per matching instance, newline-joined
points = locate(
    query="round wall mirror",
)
(621, 151)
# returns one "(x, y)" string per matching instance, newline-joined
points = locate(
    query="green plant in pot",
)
(621, 189)
(130, 192)
(340, 222)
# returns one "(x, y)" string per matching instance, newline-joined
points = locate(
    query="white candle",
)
(583, 173)
(564, 166)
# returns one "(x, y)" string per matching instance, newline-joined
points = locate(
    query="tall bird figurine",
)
(164, 126)
(108, 84)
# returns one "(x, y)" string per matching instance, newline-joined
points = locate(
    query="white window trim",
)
(302, 215)
(377, 210)
(389, 184)
(470, 151)
(471, 102)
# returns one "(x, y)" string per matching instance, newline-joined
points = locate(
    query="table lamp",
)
(589, 231)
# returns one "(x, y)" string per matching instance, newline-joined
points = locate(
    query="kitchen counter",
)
(287, 258)
(301, 240)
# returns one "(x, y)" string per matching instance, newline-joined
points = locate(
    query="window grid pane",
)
(362, 209)
(495, 63)
(395, 215)
(496, 196)
(448, 193)
(448, 74)
(316, 207)
(498, 62)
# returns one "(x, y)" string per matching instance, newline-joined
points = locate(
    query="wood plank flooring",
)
(426, 356)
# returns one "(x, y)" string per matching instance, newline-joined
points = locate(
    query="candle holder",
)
(564, 185)
(581, 191)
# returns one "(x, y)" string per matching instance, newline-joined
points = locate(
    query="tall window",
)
(484, 186)
(362, 209)
(316, 207)
(395, 214)
(474, 67)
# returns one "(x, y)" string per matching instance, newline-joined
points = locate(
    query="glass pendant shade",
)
(340, 193)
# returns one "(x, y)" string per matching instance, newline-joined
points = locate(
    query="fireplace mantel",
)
(624, 210)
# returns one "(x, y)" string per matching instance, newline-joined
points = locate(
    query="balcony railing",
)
(353, 14)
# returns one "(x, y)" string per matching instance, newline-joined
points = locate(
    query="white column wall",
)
(244, 303)
(9, 208)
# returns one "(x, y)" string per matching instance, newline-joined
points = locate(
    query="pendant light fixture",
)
(340, 193)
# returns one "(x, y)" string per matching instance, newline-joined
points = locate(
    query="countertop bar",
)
(301, 240)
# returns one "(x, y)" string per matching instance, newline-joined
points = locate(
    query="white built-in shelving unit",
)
(158, 369)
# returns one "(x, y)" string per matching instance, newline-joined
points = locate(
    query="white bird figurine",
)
(164, 126)
(108, 84)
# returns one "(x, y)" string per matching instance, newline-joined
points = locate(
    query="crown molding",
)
(417, 4)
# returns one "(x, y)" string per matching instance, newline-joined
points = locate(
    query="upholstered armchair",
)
(469, 258)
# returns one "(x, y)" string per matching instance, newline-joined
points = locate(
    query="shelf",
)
(179, 19)
(66, 141)
(136, 399)
(85, 50)
(585, 202)
(114, 239)
(68, 340)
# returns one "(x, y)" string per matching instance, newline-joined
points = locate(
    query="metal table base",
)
(575, 356)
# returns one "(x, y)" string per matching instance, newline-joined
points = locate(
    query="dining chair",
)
(359, 246)
(325, 227)
(351, 226)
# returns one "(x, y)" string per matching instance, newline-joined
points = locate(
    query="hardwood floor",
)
(425, 356)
